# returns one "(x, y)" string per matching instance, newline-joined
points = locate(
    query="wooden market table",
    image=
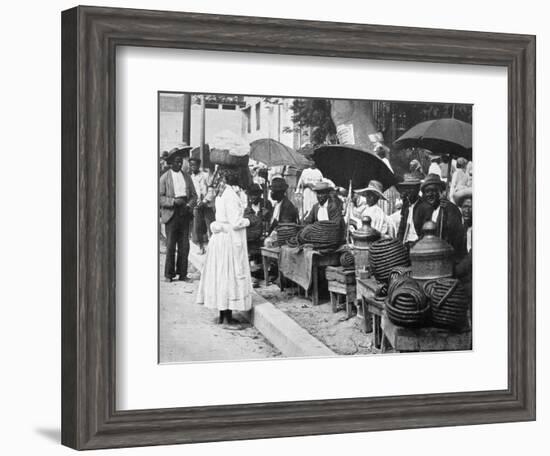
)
(341, 283)
(423, 339)
(373, 308)
(270, 254)
(318, 261)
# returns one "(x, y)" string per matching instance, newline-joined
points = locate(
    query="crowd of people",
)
(237, 213)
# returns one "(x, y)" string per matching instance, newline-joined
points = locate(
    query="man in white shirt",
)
(463, 270)
(379, 220)
(438, 209)
(403, 219)
(463, 199)
(325, 208)
(177, 200)
(308, 179)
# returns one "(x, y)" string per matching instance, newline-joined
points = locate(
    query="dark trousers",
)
(209, 216)
(199, 232)
(177, 238)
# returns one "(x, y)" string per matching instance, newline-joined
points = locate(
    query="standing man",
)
(200, 182)
(463, 269)
(442, 212)
(177, 200)
(463, 199)
(409, 190)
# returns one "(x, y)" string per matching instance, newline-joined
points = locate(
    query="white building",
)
(218, 117)
(248, 116)
(268, 117)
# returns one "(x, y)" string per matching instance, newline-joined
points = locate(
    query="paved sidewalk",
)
(189, 332)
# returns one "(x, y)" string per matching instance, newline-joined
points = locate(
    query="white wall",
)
(30, 232)
(216, 121)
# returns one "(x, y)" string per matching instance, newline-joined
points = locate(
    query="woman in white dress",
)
(225, 282)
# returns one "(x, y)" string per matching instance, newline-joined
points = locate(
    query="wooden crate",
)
(339, 274)
(347, 291)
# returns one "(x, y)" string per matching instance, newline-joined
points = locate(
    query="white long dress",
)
(225, 279)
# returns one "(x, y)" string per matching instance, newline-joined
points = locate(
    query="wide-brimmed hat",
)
(255, 189)
(433, 179)
(180, 150)
(278, 184)
(373, 187)
(462, 194)
(409, 180)
(322, 187)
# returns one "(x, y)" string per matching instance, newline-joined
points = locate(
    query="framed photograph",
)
(283, 228)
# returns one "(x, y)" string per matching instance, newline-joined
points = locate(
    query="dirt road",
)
(189, 332)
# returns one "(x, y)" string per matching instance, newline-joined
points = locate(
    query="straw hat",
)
(322, 187)
(373, 187)
(180, 150)
(433, 179)
(462, 194)
(409, 180)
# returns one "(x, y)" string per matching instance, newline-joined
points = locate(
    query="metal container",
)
(431, 257)
(362, 239)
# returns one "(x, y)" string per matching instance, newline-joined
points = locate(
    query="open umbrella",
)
(341, 164)
(273, 153)
(441, 136)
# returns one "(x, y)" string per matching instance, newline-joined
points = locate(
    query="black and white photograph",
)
(294, 227)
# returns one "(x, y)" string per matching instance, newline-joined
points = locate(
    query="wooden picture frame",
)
(90, 36)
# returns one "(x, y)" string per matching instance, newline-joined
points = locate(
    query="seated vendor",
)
(258, 212)
(379, 220)
(326, 208)
(283, 210)
(356, 207)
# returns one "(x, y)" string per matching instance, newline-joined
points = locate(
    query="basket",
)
(223, 157)
(449, 303)
(407, 304)
(286, 231)
(322, 235)
(347, 260)
(385, 255)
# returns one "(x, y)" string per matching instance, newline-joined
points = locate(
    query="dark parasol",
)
(341, 163)
(440, 136)
(273, 153)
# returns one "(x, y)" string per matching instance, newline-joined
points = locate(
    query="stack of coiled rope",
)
(407, 304)
(385, 255)
(285, 232)
(347, 260)
(322, 235)
(399, 271)
(449, 303)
